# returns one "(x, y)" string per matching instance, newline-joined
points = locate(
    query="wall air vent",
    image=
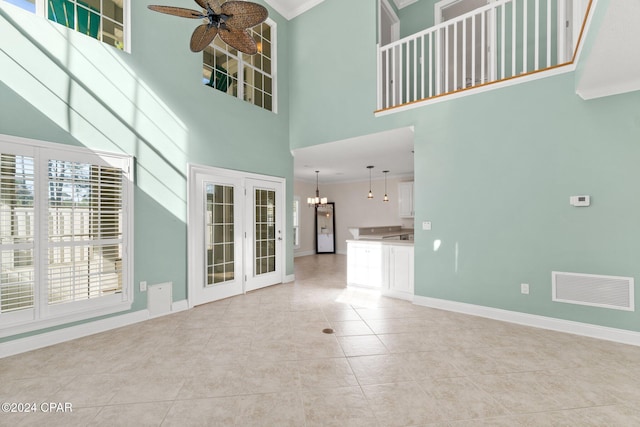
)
(589, 289)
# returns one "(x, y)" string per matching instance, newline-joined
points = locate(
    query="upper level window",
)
(29, 5)
(248, 77)
(105, 20)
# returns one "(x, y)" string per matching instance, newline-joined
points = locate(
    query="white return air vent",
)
(589, 289)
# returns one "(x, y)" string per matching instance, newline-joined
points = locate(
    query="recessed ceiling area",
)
(347, 160)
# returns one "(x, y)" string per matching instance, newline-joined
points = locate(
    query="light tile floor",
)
(261, 359)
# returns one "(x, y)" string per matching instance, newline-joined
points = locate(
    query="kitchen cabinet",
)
(365, 264)
(383, 265)
(405, 199)
(400, 271)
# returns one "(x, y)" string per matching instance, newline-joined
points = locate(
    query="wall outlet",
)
(524, 288)
(426, 225)
(143, 286)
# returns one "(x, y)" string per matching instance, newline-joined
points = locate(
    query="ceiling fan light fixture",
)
(230, 21)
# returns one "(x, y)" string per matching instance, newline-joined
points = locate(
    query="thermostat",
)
(580, 200)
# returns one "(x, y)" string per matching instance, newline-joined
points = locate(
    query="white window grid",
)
(238, 83)
(41, 8)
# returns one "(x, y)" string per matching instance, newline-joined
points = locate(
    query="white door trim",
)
(193, 248)
(395, 27)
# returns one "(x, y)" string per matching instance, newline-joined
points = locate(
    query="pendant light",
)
(317, 200)
(370, 196)
(386, 198)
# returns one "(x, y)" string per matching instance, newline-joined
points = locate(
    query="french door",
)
(264, 234)
(236, 233)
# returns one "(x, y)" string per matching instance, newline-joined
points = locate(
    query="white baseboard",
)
(398, 295)
(181, 305)
(47, 339)
(560, 325)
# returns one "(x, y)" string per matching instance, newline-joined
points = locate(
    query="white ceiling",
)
(292, 8)
(347, 160)
(613, 65)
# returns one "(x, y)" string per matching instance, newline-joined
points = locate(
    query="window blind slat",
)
(17, 274)
(85, 211)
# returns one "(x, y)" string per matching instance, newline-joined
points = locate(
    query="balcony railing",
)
(499, 41)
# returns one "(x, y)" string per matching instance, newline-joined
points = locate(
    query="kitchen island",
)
(381, 264)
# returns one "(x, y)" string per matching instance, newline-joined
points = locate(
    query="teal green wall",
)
(61, 86)
(493, 172)
(497, 194)
(416, 17)
(334, 79)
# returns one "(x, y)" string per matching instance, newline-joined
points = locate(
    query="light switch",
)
(426, 225)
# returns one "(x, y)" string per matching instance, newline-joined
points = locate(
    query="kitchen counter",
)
(389, 242)
(393, 232)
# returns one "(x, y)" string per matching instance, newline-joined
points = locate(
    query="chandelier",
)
(317, 200)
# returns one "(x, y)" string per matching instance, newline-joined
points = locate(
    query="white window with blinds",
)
(65, 234)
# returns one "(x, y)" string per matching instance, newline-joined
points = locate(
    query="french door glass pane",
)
(265, 235)
(220, 244)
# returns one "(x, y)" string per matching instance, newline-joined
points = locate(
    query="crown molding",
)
(403, 3)
(289, 12)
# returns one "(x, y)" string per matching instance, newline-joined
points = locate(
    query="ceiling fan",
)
(230, 21)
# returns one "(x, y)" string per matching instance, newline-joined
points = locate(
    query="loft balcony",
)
(467, 49)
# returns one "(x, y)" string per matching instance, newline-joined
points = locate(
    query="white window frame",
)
(45, 315)
(296, 222)
(274, 69)
(41, 10)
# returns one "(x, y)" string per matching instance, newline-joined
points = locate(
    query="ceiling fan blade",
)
(177, 11)
(202, 37)
(240, 40)
(213, 4)
(244, 14)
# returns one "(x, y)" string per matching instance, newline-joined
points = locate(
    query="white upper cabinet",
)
(405, 198)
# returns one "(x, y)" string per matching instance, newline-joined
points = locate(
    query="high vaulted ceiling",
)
(344, 161)
(292, 8)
